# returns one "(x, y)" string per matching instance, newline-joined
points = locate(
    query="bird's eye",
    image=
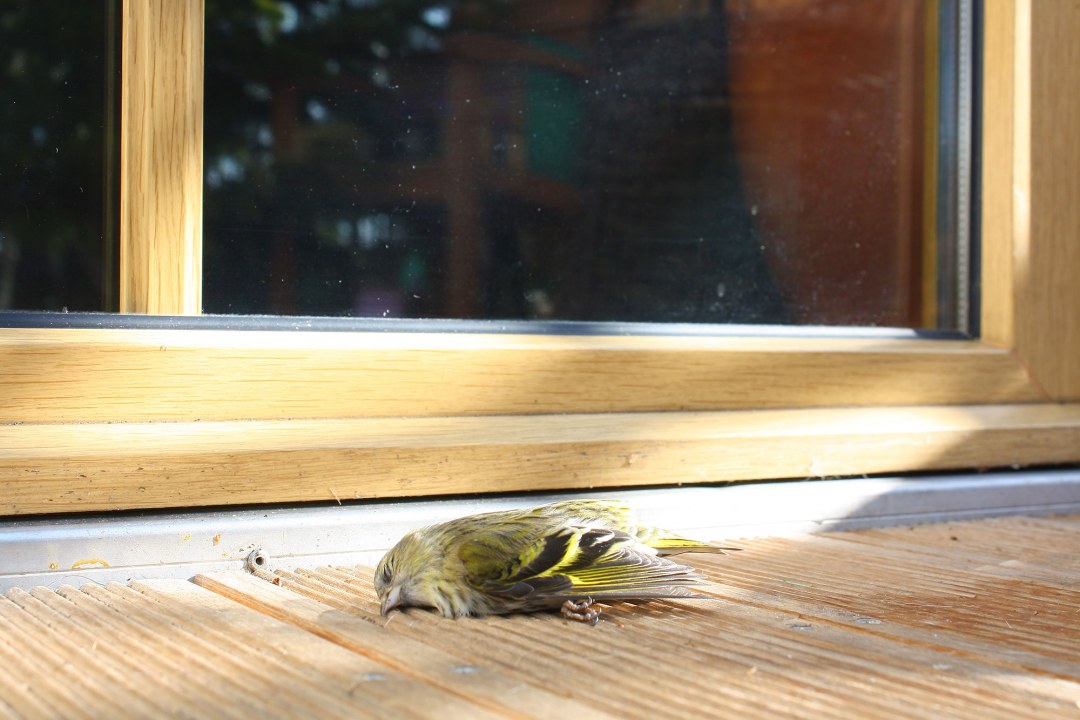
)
(387, 573)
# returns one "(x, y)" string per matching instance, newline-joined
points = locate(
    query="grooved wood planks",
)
(976, 619)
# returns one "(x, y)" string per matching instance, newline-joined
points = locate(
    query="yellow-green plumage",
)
(535, 559)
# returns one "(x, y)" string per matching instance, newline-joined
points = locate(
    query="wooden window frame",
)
(106, 419)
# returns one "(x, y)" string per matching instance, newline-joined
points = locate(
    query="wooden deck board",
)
(977, 619)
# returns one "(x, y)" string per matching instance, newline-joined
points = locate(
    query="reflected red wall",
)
(828, 104)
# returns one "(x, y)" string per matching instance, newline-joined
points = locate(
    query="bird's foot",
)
(581, 611)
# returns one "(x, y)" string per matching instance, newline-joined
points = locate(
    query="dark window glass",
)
(56, 251)
(749, 161)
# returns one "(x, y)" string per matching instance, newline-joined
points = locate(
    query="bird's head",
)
(409, 576)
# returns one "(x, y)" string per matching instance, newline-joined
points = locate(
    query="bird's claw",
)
(581, 611)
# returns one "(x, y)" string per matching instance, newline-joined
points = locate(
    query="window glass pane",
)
(749, 161)
(53, 130)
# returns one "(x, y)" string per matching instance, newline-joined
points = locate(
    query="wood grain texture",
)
(173, 649)
(1048, 293)
(70, 468)
(1005, 155)
(485, 683)
(140, 375)
(161, 113)
(963, 587)
(963, 620)
(960, 620)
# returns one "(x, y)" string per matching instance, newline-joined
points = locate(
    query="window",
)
(57, 157)
(182, 412)
(636, 161)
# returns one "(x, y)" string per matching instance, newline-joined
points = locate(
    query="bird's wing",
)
(619, 515)
(667, 544)
(571, 562)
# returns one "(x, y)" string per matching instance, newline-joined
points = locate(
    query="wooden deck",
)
(978, 620)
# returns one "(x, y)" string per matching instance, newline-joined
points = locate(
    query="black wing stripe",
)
(552, 551)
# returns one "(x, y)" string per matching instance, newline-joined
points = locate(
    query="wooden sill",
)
(129, 375)
(110, 466)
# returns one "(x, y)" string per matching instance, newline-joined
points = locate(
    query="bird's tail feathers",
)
(675, 546)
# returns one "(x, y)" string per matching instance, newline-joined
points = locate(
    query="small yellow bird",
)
(565, 554)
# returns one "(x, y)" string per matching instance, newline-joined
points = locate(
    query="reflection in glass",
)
(749, 161)
(54, 67)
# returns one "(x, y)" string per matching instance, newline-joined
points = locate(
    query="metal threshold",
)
(179, 545)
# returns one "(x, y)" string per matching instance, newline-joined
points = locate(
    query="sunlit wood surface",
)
(973, 619)
(119, 466)
(161, 114)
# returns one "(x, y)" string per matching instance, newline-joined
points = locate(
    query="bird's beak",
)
(391, 600)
